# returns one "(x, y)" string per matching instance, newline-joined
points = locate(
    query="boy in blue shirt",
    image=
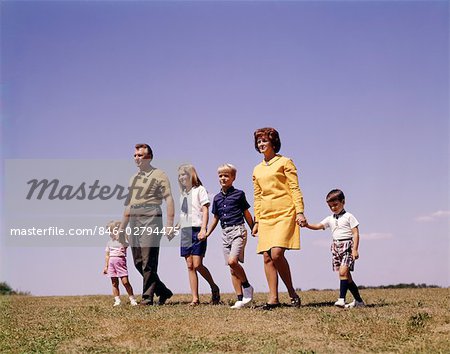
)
(230, 207)
(344, 228)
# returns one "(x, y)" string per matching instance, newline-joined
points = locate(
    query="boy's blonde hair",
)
(189, 170)
(227, 167)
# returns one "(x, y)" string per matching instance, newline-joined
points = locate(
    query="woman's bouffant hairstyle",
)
(271, 134)
(190, 171)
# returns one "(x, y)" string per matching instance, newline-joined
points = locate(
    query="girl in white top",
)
(116, 262)
(193, 221)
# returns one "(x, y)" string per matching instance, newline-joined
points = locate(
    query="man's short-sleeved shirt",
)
(149, 187)
(341, 226)
(230, 207)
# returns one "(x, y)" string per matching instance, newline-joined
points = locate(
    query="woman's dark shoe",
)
(268, 306)
(296, 302)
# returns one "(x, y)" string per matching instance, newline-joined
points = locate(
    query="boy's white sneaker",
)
(340, 302)
(238, 305)
(355, 304)
(247, 295)
(116, 303)
(133, 302)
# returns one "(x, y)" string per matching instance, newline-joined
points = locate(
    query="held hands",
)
(202, 235)
(301, 220)
(255, 229)
(171, 231)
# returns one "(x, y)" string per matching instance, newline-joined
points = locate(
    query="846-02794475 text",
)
(94, 231)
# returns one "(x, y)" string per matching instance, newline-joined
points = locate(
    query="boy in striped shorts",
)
(344, 228)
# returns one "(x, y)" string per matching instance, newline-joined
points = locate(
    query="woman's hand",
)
(255, 229)
(301, 220)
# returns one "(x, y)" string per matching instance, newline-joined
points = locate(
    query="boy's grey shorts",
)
(234, 239)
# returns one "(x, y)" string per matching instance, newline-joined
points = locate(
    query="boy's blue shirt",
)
(230, 207)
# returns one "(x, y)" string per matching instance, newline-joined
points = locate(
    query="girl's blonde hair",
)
(113, 228)
(190, 171)
(227, 167)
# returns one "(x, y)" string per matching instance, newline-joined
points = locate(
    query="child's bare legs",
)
(272, 278)
(282, 266)
(238, 275)
(127, 285)
(115, 290)
(115, 286)
(204, 272)
(193, 278)
(344, 273)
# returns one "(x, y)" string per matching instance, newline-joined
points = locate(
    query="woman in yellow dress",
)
(278, 213)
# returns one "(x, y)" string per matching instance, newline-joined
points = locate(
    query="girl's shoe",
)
(296, 302)
(116, 303)
(215, 295)
(133, 302)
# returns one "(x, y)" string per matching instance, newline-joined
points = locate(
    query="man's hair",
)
(147, 147)
(192, 173)
(227, 167)
(271, 134)
(335, 195)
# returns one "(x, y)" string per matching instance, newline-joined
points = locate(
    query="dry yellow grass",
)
(396, 321)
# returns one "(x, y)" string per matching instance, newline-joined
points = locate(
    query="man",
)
(149, 187)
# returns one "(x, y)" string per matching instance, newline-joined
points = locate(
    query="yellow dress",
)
(278, 199)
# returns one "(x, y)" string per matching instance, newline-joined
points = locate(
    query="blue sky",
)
(358, 91)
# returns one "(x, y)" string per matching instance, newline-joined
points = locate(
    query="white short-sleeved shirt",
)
(196, 198)
(341, 228)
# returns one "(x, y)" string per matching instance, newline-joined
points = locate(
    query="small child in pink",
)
(116, 263)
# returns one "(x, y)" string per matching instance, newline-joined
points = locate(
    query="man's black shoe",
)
(164, 297)
(146, 302)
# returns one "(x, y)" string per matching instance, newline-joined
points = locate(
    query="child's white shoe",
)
(238, 305)
(247, 295)
(340, 302)
(355, 304)
(116, 302)
(133, 302)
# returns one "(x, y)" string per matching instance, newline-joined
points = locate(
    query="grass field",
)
(395, 320)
